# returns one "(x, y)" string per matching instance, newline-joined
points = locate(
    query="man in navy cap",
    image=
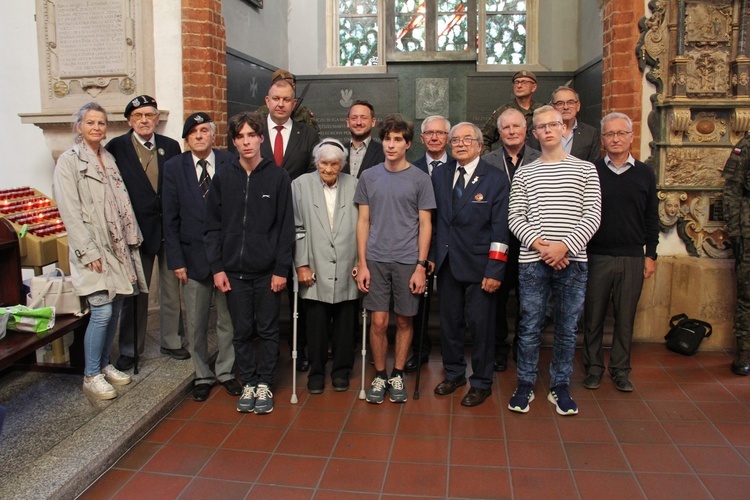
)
(187, 181)
(140, 155)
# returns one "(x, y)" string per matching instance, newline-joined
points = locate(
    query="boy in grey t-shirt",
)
(393, 240)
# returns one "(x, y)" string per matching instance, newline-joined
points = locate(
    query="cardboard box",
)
(63, 261)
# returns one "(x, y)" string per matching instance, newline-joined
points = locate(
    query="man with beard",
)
(363, 151)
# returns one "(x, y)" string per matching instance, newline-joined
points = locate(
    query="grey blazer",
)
(496, 158)
(330, 253)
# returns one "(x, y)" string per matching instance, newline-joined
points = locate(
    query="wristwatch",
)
(422, 263)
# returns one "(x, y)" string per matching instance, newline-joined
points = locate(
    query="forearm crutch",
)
(295, 315)
(364, 353)
(423, 331)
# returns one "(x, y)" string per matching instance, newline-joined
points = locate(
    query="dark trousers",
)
(481, 310)
(254, 308)
(338, 319)
(620, 278)
(418, 333)
(509, 283)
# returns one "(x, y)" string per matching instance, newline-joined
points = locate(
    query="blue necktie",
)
(458, 189)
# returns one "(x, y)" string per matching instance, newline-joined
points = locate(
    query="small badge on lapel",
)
(478, 197)
(475, 180)
(161, 152)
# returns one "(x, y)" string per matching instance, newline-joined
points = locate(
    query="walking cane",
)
(423, 332)
(364, 353)
(135, 334)
(295, 315)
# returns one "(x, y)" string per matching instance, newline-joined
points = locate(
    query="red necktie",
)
(278, 146)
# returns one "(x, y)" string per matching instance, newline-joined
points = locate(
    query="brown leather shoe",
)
(449, 386)
(476, 396)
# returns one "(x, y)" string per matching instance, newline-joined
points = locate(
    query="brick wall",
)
(621, 78)
(204, 68)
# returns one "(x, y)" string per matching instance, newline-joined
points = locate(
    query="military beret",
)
(194, 120)
(139, 102)
(282, 74)
(524, 73)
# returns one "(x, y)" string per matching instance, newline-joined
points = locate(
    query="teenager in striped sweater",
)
(555, 209)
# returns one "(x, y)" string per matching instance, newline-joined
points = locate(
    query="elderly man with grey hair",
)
(325, 256)
(579, 139)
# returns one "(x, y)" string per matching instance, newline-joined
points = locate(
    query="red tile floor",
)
(683, 433)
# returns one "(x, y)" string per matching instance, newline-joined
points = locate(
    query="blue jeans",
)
(100, 334)
(568, 286)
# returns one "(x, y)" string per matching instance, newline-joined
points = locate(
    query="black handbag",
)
(686, 335)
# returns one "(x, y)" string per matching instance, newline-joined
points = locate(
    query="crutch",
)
(423, 332)
(364, 353)
(295, 315)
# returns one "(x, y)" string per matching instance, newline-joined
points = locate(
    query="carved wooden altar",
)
(695, 53)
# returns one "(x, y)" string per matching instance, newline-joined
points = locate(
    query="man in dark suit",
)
(580, 140)
(140, 156)
(363, 151)
(509, 158)
(289, 144)
(469, 248)
(434, 135)
(187, 181)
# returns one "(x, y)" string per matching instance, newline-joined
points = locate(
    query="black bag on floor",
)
(686, 335)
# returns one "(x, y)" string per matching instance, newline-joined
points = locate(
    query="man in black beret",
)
(524, 86)
(187, 181)
(140, 155)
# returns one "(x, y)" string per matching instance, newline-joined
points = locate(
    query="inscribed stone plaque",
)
(432, 97)
(91, 38)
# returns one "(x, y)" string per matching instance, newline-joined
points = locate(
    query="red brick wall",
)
(204, 67)
(621, 78)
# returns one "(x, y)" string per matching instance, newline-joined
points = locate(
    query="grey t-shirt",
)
(395, 199)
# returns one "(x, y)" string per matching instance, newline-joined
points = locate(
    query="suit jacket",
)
(421, 163)
(478, 224)
(330, 253)
(146, 201)
(587, 144)
(184, 214)
(373, 155)
(496, 159)
(298, 153)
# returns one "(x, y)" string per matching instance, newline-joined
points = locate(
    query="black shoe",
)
(201, 392)
(591, 381)
(501, 363)
(741, 364)
(449, 386)
(340, 384)
(124, 363)
(180, 353)
(623, 383)
(232, 387)
(303, 364)
(476, 396)
(411, 365)
(315, 386)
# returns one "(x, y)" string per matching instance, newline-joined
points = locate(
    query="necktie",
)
(278, 146)
(204, 183)
(148, 145)
(434, 164)
(458, 189)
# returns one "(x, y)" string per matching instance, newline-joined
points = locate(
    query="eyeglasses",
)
(550, 125)
(466, 141)
(139, 116)
(523, 82)
(438, 133)
(561, 104)
(621, 134)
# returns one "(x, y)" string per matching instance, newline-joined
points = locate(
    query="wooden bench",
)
(18, 349)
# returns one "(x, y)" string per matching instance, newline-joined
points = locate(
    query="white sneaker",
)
(98, 388)
(115, 376)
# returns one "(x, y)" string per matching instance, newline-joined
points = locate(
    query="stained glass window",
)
(358, 32)
(505, 26)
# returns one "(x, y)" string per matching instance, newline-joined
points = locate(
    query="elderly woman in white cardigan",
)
(325, 255)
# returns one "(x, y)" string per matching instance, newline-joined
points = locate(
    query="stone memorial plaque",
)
(91, 38)
(432, 97)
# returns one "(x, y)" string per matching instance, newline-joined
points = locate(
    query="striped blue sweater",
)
(558, 201)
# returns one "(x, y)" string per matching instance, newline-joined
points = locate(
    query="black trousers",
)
(338, 318)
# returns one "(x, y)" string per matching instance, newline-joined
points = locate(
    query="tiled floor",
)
(683, 433)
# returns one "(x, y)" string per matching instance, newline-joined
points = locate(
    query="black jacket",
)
(249, 228)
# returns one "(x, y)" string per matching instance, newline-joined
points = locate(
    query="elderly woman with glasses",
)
(103, 237)
(325, 256)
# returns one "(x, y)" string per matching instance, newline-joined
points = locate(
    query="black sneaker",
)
(263, 400)
(564, 404)
(592, 381)
(376, 392)
(523, 395)
(622, 382)
(246, 403)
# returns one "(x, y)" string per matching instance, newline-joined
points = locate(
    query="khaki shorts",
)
(391, 281)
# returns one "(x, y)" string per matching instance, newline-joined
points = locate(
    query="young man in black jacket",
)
(249, 233)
